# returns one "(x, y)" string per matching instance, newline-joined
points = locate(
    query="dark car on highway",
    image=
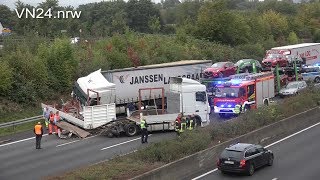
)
(244, 158)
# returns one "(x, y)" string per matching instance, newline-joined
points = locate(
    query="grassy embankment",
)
(158, 154)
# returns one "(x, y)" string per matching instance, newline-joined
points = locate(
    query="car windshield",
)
(227, 92)
(232, 154)
(292, 85)
(218, 65)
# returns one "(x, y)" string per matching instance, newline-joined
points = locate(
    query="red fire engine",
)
(247, 90)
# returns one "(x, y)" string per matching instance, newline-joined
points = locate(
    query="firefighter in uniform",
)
(191, 122)
(183, 124)
(38, 131)
(144, 131)
(237, 109)
(178, 124)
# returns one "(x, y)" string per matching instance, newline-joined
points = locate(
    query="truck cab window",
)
(242, 92)
(251, 92)
(201, 96)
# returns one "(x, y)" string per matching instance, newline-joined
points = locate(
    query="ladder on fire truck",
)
(251, 76)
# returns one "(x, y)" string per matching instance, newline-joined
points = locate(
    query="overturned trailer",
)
(92, 107)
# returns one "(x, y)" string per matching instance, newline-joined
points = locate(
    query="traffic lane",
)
(296, 158)
(23, 161)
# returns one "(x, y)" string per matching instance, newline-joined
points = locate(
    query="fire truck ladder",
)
(251, 76)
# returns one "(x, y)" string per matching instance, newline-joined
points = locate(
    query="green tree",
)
(293, 38)
(6, 16)
(216, 23)
(61, 64)
(6, 78)
(139, 14)
(154, 24)
(316, 36)
(278, 23)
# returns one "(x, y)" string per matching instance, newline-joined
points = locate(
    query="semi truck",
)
(129, 80)
(284, 55)
(247, 90)
(98, 113)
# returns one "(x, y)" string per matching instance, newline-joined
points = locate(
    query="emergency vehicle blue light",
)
(236, 81)
(222, 105)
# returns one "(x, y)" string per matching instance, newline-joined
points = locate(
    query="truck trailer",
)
(284, 55)
(129, 80)
(98, 113)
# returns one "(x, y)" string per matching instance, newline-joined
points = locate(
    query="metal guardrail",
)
(21, 121)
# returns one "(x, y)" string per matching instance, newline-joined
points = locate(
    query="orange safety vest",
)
(51, 117)
(37, 129)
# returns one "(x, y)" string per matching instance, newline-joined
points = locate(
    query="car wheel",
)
(317, 80)
(270, 161)
(223, 172)
(251, 170)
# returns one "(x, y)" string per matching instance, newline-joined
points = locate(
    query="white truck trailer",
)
(184, 95)
(310, 52)
(129, 80)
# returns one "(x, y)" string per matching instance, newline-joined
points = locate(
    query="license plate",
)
(229, 162)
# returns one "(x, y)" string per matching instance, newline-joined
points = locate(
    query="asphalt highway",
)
(20, 160)
(296, 158)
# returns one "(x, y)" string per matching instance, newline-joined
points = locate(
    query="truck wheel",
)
(266, 103)
(317, 80)
(131, 129)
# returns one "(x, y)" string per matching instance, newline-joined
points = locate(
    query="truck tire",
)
(266, 102)
(131, 129)
(317, 80)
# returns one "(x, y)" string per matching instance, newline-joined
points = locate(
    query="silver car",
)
(293, 88)
(311, 73)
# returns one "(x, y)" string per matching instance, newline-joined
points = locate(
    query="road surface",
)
(296, 158)
(20, 160)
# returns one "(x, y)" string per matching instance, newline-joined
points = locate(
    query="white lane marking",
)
(209, 172)
(121, 143)
(202, 175)
(14, 142)
(67, 143)
(292, 135)
(74, 141)
(274, 179)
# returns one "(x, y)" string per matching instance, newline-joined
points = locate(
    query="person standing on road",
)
(144, 131)
(46, 116)
(38, 131)
(56, 120)
(51, 123)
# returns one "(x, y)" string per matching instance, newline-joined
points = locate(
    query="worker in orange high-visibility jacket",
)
(56, 120)
(51, 124)
(38, 131)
